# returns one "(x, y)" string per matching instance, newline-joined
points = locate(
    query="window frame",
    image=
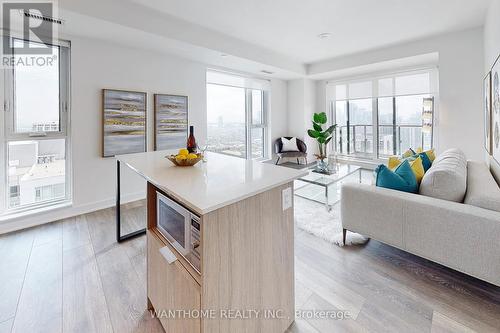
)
(249, 125)
(374, 79)
(10, 135)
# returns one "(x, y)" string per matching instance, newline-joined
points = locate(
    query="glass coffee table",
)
(342, 171)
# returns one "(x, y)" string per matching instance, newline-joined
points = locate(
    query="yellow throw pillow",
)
(431, 154)
(393, 162)
(408, 153)
(418, 169)
(416, 166)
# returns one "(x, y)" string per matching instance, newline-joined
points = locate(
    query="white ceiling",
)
(290, 27)
(273, 35)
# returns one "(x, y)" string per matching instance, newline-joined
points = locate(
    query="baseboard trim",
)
(56, 214)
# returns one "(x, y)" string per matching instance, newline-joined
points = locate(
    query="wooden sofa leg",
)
(344, 234)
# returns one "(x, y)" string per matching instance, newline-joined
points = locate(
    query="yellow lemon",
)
(184, 152)
(180, 157)
(192, 156)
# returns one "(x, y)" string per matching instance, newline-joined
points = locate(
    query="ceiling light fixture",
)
(266, 72)
(223, 55)
(324, 35)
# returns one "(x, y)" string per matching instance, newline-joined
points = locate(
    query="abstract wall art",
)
(124, 122)
(495, 97)
(171, 121)
(487, 113)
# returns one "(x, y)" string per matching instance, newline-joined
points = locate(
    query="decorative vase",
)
(322, 166)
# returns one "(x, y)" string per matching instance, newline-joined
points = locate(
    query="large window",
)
(36, 131)
(236, 116)
(384, 116)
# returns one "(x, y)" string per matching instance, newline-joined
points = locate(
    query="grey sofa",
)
(462, 236)
(302, 153)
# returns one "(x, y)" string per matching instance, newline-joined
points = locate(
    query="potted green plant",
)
(322, 136)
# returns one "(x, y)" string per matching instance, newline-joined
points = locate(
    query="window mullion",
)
(375, 122)
(348, 128)
(395, 140)
(64, 88)
(248, 118)
(265, 115)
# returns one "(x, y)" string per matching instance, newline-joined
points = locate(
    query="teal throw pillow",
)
(426, 161)
(401, 179)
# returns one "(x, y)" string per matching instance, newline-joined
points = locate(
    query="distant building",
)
(45, 127)
(44, 181)
(36, 172)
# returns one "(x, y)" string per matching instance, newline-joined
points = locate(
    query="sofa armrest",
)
(460, 236)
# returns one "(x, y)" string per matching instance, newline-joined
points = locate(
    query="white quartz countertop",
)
(205, 187)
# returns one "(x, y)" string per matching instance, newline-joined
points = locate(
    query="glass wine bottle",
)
(191, 141)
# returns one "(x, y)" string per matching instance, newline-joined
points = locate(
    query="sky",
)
(36, 94)
(228, 102)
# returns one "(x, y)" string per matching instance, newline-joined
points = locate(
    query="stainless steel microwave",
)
(180, 227)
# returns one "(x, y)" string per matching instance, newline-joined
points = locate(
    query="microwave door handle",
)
(169, 256)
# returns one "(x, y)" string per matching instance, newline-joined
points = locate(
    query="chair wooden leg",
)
(278, 160)
(344, 234)
(298, 162)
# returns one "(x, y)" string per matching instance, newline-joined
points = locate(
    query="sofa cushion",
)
(291, 154)
(447, 178)
(482, 190)
(401, 179)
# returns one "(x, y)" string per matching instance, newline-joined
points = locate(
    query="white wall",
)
(492, 35)
(310, 108)
(295, 120)
(98, 64)
(491, 52)
(301, 106)
(460, 63)
(278, 117)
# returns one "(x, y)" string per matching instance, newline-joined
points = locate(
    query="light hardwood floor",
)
(71, 276)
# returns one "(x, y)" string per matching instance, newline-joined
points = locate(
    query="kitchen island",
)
(220, 243)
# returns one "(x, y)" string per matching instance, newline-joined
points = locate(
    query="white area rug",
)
(313, 218)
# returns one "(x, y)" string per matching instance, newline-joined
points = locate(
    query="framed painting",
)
(124, 122)
(488, 142)
(495, 98)
(170, 121)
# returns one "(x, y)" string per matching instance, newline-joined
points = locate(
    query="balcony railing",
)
(357, 140)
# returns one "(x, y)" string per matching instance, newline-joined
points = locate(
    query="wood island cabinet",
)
(246, 282)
